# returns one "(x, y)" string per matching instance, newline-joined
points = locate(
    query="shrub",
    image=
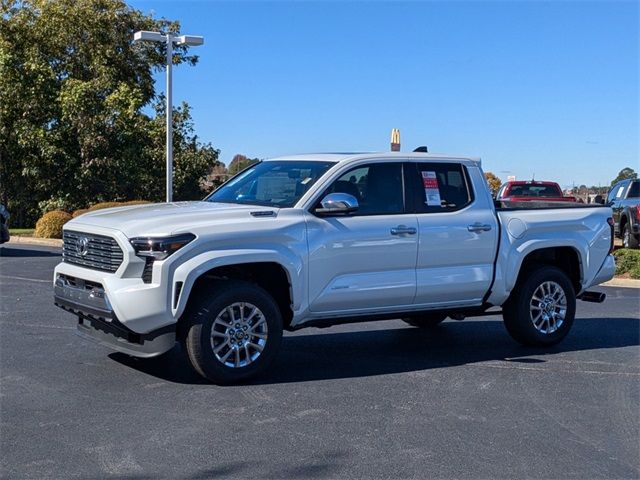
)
(50, 224)
(100, 206)
(627, 262)
(79, 212)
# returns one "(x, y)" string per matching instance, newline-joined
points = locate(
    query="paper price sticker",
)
(431, 191)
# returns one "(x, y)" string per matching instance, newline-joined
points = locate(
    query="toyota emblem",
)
(82, 247)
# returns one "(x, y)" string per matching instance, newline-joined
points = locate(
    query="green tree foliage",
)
(625, 173)
(240, 162)
(72, 91)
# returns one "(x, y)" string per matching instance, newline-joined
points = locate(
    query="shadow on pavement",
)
(6, 251)
(304, 358)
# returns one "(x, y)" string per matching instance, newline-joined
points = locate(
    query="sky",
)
(544, 89)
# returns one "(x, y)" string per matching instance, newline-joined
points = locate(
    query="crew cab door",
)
(458, 233)
(365, 260)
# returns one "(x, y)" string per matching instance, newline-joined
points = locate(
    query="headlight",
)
(160, 248)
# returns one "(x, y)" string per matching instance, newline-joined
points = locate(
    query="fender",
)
(195, 267)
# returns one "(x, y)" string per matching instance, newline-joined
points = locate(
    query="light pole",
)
(192, 41)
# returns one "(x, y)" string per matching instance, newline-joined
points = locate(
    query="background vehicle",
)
(527, 191)
(317, 240)
(624, 200)
(4, 227)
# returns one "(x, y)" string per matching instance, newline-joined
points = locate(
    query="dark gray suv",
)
(624, 199)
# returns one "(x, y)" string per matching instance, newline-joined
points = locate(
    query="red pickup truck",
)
(527, 191)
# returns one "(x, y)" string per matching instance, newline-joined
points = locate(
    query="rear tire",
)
(427, 320)
(541, 308)
(629, 240)
(234, 331)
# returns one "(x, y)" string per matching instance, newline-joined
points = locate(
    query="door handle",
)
(479, 227)
(403, 229)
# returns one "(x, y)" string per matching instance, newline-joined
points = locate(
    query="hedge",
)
(50, 224)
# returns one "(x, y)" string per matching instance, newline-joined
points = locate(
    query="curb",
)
(621, 282)
(48, 242)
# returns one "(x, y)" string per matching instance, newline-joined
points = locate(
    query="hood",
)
(160, 219)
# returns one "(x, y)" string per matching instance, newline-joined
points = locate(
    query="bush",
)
(50, 224)
(79, 212)
(627, 262)
(100, 206)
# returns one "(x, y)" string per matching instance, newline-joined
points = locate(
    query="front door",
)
(365, 260)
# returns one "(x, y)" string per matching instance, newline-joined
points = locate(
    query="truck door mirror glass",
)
(337, 204)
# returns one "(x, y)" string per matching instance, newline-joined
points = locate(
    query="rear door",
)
(458, 233)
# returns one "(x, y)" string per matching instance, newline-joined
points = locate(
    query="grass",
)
(627, 262)
(21, 232)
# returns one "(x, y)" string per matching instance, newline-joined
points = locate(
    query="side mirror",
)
(337, 204)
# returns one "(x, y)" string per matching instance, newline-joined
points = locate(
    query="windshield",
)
(271, 183)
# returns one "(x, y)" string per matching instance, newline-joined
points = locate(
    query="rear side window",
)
(440, 187)
(634, 190)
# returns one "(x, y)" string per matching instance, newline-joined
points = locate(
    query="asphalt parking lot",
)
(376, 400)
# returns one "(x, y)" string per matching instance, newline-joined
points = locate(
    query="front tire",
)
(629, 240)
(541, 308)
(234, 331)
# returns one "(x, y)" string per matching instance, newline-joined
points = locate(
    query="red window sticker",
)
(431, 191)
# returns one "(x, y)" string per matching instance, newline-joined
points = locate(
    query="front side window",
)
(441, 187)
(272, 183)
(378, 187)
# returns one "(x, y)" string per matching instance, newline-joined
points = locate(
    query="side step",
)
(595, 297)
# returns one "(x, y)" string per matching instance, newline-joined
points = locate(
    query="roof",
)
(349, 157)
(530, 182)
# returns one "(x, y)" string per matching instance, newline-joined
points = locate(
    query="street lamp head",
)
(189, 40)
(146, 36)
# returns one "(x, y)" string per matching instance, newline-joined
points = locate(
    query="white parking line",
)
(26, 279)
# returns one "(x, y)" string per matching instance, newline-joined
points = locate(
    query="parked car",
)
(528, 191)
(624, 199)
(318, 240)
(4, 226)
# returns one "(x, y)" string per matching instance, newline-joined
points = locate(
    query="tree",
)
(493, 181)
(72, 89)
(625, 173)
(240, 162)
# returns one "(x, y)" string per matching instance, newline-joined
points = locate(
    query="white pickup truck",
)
(317, 240)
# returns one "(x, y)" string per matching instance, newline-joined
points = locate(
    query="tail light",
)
(611, 223)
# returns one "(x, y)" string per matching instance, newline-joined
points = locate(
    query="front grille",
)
(102, 252)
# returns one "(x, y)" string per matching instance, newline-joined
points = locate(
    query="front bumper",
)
(98, 322)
